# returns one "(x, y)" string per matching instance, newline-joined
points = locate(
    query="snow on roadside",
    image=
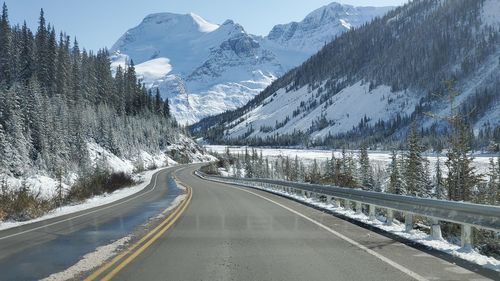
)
(96, 201)
(94, 259)
(90, 260)
(415, 235)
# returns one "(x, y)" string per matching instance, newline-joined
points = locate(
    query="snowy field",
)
(382, 158)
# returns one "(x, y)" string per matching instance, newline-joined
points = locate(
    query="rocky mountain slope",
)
(373, 82)
(206, 69)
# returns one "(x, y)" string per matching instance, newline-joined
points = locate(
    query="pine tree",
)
(314, 174)
(249, 172)
(5, 151)
(414, 169)
(63, 75)
(428, 185)
(295, 169)
(266, 168)
(440, 189)
(395, 184)
(238, 167)
(76, 68)
(365, 169)
(26, 56)
(462, 177)
(5, 48)
(330, 168)
(166, 108)
(493, 183)
(260, 166)
(42, 51)
(158, 103)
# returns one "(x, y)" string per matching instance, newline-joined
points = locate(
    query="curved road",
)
(237, 233)
(220, 232)
(36, 250)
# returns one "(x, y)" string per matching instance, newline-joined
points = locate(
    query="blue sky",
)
(99, 23)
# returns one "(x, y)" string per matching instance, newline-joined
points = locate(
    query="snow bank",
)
(90, 260)
(96, 201)
(101, 254)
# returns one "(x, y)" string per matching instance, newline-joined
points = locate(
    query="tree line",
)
(408, 173)
(56, 97)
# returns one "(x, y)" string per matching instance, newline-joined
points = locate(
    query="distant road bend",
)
(226, 232)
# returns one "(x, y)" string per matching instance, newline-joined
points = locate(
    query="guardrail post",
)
(436, 229)
(408, 222)
(371, 212)
(331, 201)
(337, 203)
(348, 205)
(466, 237)
(390, 217)
(359, 208)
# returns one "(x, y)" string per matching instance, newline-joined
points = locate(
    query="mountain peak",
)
(220, 66)
(204, 25)
(172, 20)
(316, 29)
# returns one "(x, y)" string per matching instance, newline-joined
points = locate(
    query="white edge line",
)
(349, 240)
(87, 213)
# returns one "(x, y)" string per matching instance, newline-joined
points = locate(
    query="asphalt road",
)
(36, 250)
(223, 232)
(237, 233)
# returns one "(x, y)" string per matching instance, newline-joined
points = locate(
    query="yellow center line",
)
(166, 224)
(129, 259)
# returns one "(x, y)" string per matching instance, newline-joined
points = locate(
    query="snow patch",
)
(96, 201)
(491, 13)
(90, 261)
(345, 111)
(203, 25)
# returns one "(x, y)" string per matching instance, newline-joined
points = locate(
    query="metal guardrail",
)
(468, 215)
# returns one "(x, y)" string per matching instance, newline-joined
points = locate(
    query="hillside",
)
(64, 118)
(372, 82)
(206, 68)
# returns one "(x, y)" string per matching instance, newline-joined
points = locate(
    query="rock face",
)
(206, 69)
(322, 26)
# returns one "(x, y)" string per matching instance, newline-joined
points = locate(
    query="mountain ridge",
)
(226, 67)
(373, 82)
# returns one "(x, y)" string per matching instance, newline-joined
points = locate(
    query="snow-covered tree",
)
(365, 169)
(395, 184)
(413, 172)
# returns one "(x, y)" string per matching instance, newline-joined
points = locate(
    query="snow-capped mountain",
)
(321, 27)
(206, 69)
(375, 81)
